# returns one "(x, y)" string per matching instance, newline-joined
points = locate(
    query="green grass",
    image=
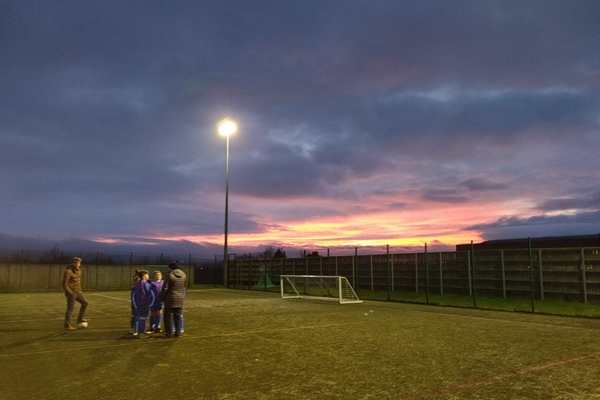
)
(519, 304)
(254, 345)
(555, 307)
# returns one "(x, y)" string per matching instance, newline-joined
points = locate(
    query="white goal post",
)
(318, 287)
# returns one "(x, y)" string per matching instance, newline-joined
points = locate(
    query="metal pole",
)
(225, 271)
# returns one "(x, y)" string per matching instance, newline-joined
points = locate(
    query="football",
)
(83, 325)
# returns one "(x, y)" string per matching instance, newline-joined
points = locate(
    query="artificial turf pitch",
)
(254, 345)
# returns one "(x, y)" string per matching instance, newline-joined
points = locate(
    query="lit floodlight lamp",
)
(227, 127)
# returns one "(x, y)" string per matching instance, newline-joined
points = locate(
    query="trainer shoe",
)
(70, 328)
(85, 320)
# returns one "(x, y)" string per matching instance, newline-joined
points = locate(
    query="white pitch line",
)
(492, 319)
(111, 297)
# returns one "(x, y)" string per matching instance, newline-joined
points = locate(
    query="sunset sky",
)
(361, 123)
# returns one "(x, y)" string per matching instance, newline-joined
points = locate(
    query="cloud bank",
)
(361, 124)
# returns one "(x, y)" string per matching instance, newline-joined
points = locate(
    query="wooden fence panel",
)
(43, 277)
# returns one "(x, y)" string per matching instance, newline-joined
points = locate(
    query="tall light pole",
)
(227, 128)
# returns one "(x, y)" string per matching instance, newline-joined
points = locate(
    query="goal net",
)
(318, 287)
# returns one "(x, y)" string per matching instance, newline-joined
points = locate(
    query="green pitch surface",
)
(254, 345)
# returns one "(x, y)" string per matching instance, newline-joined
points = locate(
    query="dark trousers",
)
(173, 316)
(71, 299)
(140, 316)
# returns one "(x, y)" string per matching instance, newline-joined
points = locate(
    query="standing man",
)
(173, 292)
(72, 287)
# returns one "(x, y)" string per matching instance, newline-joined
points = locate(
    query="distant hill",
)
(11, 244)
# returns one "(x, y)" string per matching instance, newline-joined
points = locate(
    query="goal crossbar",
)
(323, 287)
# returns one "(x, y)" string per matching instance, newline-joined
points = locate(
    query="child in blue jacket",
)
(156, 311)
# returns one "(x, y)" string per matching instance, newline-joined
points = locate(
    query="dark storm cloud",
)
(415, 44)
(481, 183)
(540, 226)
(583, 201)
(413, 117)
(109, 110)
(444, 196)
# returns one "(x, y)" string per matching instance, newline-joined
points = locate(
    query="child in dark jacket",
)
(142, 298)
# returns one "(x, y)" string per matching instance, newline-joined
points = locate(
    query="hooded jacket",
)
(173, 290)
(72, 280)
(142, 294)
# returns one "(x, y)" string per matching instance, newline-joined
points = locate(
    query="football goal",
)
(318, 287)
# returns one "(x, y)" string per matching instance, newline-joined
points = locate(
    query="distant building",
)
(539, 243)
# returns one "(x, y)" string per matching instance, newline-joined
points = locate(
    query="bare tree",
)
(279, 254)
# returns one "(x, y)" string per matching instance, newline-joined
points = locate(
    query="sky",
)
(360, 123)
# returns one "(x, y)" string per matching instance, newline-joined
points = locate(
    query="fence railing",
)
(571, 274)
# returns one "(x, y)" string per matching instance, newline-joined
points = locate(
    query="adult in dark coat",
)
(173, 293)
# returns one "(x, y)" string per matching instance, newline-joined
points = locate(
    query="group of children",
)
(146, 300)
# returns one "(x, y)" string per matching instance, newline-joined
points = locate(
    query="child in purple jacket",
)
(142, 298)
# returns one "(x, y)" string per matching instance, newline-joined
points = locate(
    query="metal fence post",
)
(249, 270)
(441, 275)
(531, 277)
(392, 271)
(265, 278)
(354, 266)
(416, 272)
(469, 283)
(473, 274)
(503, 273)
(426, 276)
(214, 275)
(541, 274)
(583, 277)
(371, 262)
(305, 263)
(321, 265)
(387, 253)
